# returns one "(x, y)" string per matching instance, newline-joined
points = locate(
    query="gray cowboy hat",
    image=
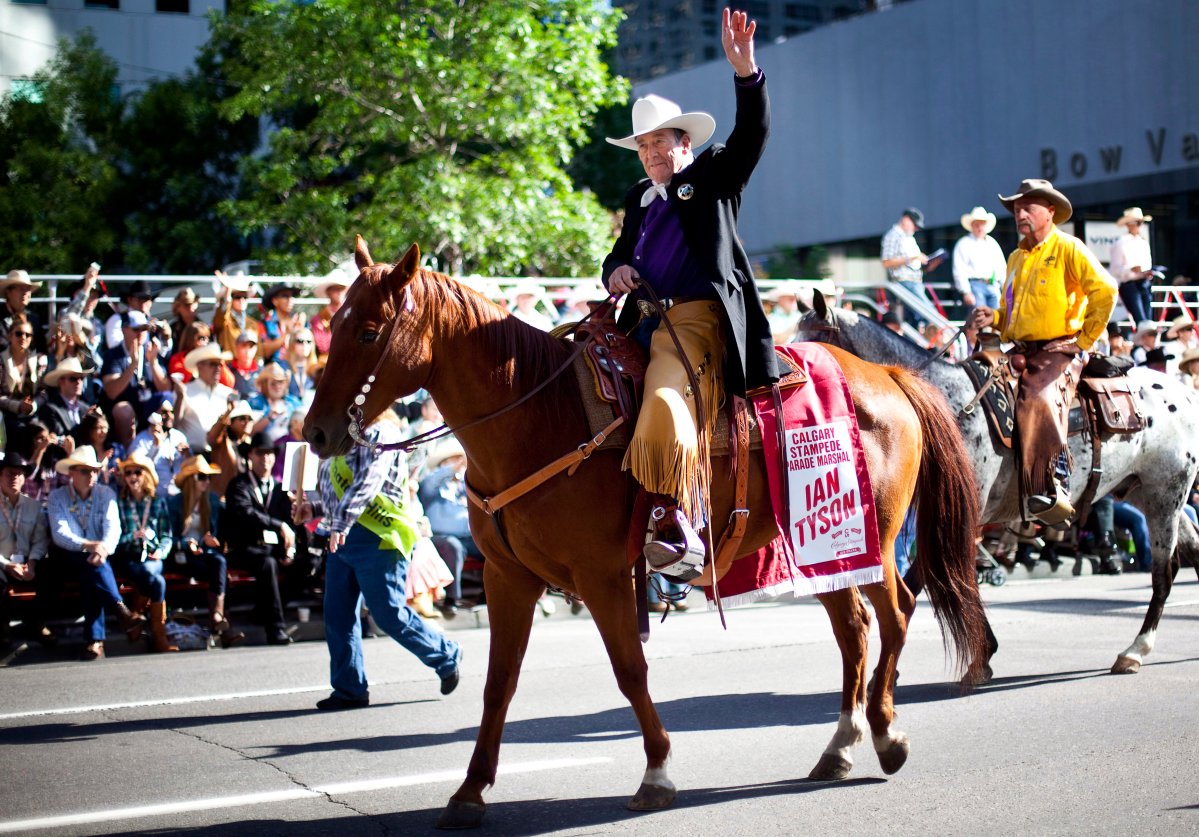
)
(1041, 189)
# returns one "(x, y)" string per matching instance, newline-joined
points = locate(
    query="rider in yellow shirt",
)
(1056, 302)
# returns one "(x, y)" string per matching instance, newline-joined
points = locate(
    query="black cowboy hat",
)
(258, 441)
(140, 288)
(15, 460)
(268, 299)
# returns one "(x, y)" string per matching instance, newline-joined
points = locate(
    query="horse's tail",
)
(947, 521)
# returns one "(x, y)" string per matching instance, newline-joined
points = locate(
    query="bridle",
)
(357, 419)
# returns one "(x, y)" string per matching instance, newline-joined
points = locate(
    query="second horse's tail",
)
(947, 520)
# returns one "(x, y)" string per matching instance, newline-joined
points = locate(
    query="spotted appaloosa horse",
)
(403, 328)
(1153, 470)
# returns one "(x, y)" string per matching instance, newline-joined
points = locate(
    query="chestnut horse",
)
(403, 328)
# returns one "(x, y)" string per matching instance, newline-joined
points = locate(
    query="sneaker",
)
(335, 703)
(676, 550)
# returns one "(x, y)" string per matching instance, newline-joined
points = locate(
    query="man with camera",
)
(132, 370)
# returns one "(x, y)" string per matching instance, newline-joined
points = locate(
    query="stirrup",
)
(1050, 510)
(680, 558)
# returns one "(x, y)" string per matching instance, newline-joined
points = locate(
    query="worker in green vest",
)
(364, 500)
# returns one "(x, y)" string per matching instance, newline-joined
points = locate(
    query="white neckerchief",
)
(655, 191)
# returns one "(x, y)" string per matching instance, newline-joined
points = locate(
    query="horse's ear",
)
(819, 305)
(407, 266)
(362, 256)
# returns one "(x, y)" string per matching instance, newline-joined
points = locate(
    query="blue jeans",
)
(209, 566)
(361, 570)
(146, 576)
(904, 542)
(1130, 518)
(1137, 296)
(98, 587)
(984, 293)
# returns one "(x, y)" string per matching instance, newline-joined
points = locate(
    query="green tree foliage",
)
(58, 177)
(181, 161)
(445, 122)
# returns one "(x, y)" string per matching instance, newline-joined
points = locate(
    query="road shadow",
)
(525, 818)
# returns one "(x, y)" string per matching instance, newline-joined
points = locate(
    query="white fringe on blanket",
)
(804, 586)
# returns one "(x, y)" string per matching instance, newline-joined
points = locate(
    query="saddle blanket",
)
(823, 502)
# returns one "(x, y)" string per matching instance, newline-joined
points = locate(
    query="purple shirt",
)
(662, 257)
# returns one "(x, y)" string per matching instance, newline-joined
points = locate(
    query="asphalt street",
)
(229, 743)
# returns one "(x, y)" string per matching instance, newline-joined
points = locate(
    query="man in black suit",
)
(680, 238)
(260, 534)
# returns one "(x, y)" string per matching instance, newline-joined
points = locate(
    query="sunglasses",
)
(133, 472)
(204, 477)
(28, 334)
(303, 342)
(239, 296)
(71, 379)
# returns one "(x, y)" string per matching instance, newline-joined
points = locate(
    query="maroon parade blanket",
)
(829, 537)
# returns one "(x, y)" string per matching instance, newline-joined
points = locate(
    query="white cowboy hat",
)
(1133, 213)
(652, 113)
(1181, 323)
(444, 450)
(1041, 189)
(335, 278)
(15, 278)
(241, 408)
(70, 366)
(1145, 327)
(83, 457)
(979, 214)
(240, 283)
(195, 357)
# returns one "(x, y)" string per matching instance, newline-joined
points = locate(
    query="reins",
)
(354, 411)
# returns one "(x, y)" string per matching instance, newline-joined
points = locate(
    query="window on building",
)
(180, 7)
(29, 2)
(101, 4)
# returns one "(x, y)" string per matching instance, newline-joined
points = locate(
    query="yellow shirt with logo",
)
(1055, 289)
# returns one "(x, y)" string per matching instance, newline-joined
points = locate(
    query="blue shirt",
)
(73, 521)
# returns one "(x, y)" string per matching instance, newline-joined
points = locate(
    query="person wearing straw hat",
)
(16, 291)
(203, 401)
(231, 316)
(1131, 263)
(978, 263)
(63, 403)
(372, 533)
(333, 289)
(1182, 332)
(195, 514)
(24, 538)
(679, 237)
(524, 307)
(145, 544)
(1056, 302)
(224, 442)
(85, 528)
(1188, 366)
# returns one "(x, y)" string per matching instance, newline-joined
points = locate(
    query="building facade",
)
(943, 104)
(148, 39)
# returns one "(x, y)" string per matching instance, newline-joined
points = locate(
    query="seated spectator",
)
(194, 336)
(20, 370)
(784, 314)
(295, 433)
(183, 311)
(131, 371)
(443, 496)
(44, 451)
(526, 309)
(1188, 367)
(63, 404)
(300, 361)
(204, 400)
(163, 445)
(225, 440)
(145, 544)
(429, 420)
(94, 432)
(273, 402)
(1143, 341)
(246, 365)
(231, 319)
(195, 524)
(260, 534)
(73, 338)
(123, 420)
(16, 291)
(84, 528)
(334, 290)
(24, 540)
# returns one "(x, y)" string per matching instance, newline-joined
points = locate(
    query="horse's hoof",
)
(652, 798)
(831, 768)
(460, 815)
(894, 756)
(1126, 665)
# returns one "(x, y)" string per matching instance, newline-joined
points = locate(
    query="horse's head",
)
(375, 330)
(820, 324)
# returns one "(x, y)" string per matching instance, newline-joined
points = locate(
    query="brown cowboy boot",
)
(134, 629)
(158, 628)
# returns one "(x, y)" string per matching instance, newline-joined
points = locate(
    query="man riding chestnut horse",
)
(680, 238)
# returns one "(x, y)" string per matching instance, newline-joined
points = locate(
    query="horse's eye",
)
(368, 337)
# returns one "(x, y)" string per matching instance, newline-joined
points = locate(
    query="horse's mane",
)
(905, 351)
(530, 355)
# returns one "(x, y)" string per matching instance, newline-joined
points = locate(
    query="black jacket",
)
(246, 517)
(709, 219)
